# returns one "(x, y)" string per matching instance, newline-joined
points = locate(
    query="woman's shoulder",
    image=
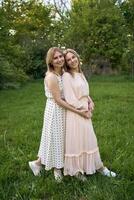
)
(66, 74)
(50, 76)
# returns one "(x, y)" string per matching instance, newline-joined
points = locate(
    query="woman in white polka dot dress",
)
(51, 150)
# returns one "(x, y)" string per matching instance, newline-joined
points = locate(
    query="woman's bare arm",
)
(52, 83)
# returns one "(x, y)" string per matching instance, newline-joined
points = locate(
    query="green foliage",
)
(100, 30)
(97, 30)
(10, 76)
(21, 120)
(127, 9)
(24, 26)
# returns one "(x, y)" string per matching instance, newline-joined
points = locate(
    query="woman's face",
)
(58, 60)
(72, 61)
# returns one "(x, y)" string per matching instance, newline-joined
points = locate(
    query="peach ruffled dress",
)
(81, 149)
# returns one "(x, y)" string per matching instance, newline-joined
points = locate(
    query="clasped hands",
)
(87, 113)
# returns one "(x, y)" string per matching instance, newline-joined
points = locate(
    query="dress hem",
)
(82, 172)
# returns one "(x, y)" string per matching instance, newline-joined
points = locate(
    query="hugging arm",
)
(52, 84)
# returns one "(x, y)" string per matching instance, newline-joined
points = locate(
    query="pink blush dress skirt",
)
(81, 148)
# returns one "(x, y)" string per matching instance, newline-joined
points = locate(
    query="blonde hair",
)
(67, 68)
(49, 58)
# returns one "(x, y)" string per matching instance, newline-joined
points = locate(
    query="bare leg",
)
(101, 169)
(38, 161)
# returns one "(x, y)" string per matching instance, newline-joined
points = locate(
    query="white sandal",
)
(36, 169)
(107, 172)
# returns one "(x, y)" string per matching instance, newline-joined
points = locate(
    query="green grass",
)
(21, 118)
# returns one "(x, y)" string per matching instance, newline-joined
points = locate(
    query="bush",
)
(10, 76)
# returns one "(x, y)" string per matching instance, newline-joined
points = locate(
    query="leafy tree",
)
(127, 9)
(24, 30)
(8, 71)
(97, 30)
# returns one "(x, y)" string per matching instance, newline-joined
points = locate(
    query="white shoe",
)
(58, 175)
(36, 169)
(107, 172)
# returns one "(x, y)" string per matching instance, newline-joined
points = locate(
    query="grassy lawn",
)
(21, 115)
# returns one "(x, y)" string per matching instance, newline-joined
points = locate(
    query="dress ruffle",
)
(81, 148)
(85, 162)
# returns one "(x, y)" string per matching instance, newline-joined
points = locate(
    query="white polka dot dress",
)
(51, 150)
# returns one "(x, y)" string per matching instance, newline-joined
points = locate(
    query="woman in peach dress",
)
(81, 148)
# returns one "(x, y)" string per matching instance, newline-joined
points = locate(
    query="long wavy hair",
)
(66, 67)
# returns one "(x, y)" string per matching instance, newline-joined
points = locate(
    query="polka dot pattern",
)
(51, 150)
